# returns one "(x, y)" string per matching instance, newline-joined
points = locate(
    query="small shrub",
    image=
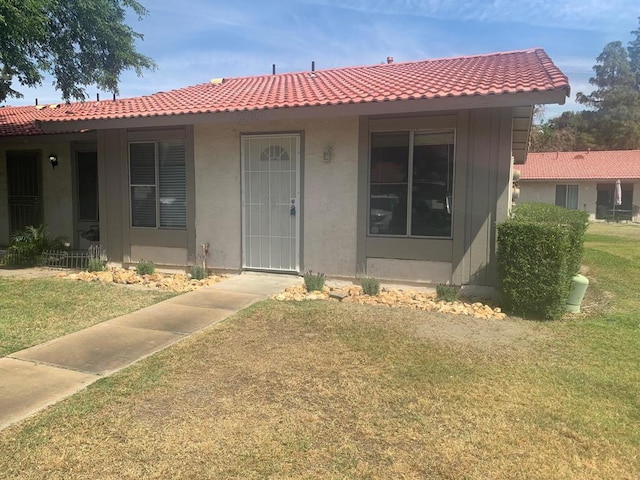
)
(27, 246)
(95, 265)
(198, 272)
(447, 293)
(314, 281)
(145, 267)
(370, 286)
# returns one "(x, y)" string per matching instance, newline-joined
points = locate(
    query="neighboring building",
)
(585, 181)
(397, 170)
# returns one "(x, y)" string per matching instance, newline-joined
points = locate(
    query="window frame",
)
(566, 195)
(156, 143)
(410, 171)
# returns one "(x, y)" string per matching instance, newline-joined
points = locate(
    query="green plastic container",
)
(579, 285)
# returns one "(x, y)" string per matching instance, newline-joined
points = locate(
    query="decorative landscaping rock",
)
(392, 298)
(174, 282)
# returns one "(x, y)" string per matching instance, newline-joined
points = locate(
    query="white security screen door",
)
(270, 202)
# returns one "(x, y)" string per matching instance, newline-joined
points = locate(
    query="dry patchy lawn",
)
(324, 390)
(35, 310)
(327, 391)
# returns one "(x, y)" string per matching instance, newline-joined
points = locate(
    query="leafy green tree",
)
(79, 42)
(613, 118)
(634, 55)
(616, 100)
(570, 131)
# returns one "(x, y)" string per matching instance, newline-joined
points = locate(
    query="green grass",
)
(331, 391)
(36, 310)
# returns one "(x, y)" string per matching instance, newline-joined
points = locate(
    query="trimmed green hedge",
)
(576, 221)
(539, 250)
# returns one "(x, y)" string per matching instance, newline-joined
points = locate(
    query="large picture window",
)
(411, 183)
(157, 177)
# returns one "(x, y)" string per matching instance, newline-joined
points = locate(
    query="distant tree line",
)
(612, 120)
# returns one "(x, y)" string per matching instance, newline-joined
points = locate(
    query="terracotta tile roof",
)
(482, 75)
(19, 121)
(592, 165)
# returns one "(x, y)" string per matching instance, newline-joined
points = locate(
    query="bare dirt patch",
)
(509, 334)
(419, 312)
(32, 272)
(488, 335)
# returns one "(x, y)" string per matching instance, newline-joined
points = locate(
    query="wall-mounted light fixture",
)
(327, 154)
(53, 160)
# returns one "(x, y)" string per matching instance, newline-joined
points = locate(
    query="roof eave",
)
(84, 134)
(570, 179)
(323, 111)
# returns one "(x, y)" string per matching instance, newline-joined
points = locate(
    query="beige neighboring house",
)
(397, 170)
(585, 181)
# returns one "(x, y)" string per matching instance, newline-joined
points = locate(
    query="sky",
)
(193, 41)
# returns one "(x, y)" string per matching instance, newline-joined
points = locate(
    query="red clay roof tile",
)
(592, 165)
(482, 75)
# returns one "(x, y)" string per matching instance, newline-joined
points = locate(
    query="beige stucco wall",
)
(536, 193)
(57, 186)
(335, 211)
(329, 209)
(545, 192)
(334, 208)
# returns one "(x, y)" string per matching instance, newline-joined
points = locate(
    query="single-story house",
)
(397, 170)
(585, 181)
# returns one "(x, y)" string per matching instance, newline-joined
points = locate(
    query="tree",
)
(79, 42)
(634, 55)
(616, 99)
(613, 120)
(569, 132)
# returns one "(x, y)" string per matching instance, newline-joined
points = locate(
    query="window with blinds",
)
(157, 176)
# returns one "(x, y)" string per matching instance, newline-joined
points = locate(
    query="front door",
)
(87, 219)
(23, 183)
(271, 202)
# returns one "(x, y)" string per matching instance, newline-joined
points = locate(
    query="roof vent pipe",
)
(313, 66)
(273, 67)
(114, 97)
(97, 97)
(389, 59)
(36, 102)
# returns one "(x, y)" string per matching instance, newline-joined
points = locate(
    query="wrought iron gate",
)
(23, 182)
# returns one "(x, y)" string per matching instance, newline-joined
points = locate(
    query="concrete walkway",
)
(37, 377)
